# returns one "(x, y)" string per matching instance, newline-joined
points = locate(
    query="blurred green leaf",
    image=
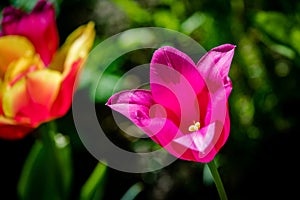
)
(134, 11)
(166, 19)
(282, 29)
(275, 24)
(295, 38)
(106, 87)
(283, 50)
(47, 171)
(93, 189)
(23, 4)
(192, 23)
(28, 5)
(203, 27)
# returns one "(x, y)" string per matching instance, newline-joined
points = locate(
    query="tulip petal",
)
(10, 130)
(179, 61)
(39, 27)
(43, 87)
(134, 104)
(65, 94)
(15, 98)
(138, 106)
(173, 91)
(11, 49)
(163, 131)
(16, 71)
(215, 65)
(198, 146)
(76, 46)
(2, 88)
(31, 97)
(69, 61)
(14, 132)
(201, 143)
(21, 67)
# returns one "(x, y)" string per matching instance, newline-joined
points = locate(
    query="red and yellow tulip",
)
(37, 78)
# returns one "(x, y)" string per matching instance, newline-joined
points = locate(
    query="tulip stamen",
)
(194, 127)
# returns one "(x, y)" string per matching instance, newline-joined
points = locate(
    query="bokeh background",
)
(259, 159)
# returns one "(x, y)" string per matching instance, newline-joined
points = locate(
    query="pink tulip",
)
(186, 109)
(36, 78)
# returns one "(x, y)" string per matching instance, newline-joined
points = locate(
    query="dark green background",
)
(259, 159)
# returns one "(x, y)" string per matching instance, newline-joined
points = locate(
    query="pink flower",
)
(186, 110)
(36, 78)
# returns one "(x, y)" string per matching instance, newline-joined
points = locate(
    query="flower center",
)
(194, 127)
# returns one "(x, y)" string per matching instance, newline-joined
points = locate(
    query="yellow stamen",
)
(194, 127)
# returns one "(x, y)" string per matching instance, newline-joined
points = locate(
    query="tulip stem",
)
(217, 179)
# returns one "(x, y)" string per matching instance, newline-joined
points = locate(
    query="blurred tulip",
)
(36, 78)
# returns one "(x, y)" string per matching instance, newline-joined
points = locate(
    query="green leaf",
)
(93, 189)
(166, 19)
(193, 22)
(275, 24)
(28, 5)
(23, 4)
(295, 38)
(47, 171)
(133, 10)
(105, 87)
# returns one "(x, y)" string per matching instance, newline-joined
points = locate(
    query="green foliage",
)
(94, 187)
(27, 5)
(133, 11)
(47, 172)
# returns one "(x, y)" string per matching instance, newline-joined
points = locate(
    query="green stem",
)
(48, 131)
(215, 174)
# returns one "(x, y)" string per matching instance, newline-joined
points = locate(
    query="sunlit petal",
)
(15, 98)
(43, 86)
(215, 65)
(76, 46)
(11, 49)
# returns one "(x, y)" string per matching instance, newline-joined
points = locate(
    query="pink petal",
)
(175, 84)
(215, 65)
(134, 104)
(137, 105)
(203, 145)
(179, 61)
(200, 146)
(39, 27)
(163, 131)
